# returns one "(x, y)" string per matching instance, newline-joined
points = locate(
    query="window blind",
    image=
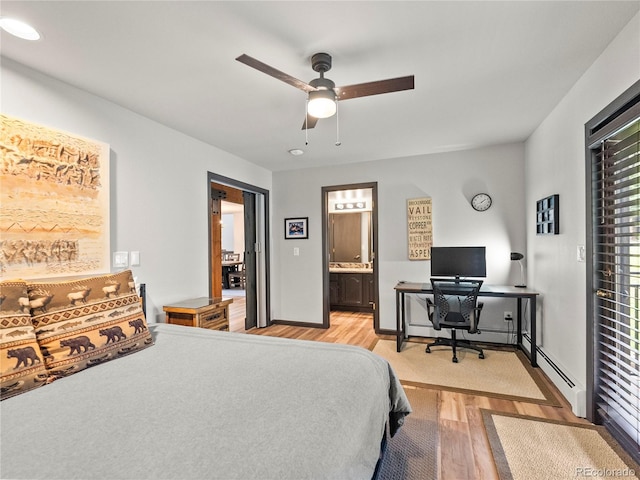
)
(616, 247)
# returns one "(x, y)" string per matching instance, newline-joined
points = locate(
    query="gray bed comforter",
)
(201, 404)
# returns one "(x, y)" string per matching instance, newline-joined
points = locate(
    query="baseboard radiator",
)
(575, 394)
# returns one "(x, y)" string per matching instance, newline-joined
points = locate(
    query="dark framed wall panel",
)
(548, 215)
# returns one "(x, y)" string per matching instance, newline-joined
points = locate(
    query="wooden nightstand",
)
(204, 312)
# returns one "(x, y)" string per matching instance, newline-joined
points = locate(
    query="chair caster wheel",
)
(481, 355)
(427, 350)
(455, 360)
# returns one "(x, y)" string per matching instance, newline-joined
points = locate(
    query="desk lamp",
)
(518, 256)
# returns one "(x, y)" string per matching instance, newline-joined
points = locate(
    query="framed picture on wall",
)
(296, 228)
(548, 215)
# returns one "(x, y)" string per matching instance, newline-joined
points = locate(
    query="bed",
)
(197, 403)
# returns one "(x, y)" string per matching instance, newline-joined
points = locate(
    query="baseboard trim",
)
(387, 332)
(569, 387)
(297, 324)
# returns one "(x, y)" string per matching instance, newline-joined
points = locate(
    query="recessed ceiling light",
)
(19, 29)
(296, 152)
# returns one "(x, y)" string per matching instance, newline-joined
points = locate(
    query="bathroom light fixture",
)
(322, 103)
(19, 29)
(515, 256)
(351, 206)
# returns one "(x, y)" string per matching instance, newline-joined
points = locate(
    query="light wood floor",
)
(464, 451)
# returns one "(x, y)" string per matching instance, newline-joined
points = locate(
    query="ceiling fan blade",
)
(375, 88)
(310, 122)
(264, 68)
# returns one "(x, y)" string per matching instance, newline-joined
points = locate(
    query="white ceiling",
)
(485, 72)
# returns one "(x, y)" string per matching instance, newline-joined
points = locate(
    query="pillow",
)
(21, 364)
(85, 322)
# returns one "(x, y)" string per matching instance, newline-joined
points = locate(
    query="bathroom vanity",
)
(351, 287)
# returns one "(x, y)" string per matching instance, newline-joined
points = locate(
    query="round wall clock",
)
(481, 202)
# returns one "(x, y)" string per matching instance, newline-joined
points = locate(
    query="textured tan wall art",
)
(54, 202)
(419, 231)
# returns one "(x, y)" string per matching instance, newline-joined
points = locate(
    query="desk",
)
(402, 288)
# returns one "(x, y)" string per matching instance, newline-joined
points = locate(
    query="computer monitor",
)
(458, 262)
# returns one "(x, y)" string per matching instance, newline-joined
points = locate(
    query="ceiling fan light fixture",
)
(322, 103)
(19, 28)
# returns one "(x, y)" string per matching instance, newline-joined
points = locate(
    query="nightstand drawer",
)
(185, 319)
(215, 320)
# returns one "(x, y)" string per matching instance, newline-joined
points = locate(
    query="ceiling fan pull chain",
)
(306, 123)
(338, 142)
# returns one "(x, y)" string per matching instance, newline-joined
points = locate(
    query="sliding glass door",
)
(614, 185)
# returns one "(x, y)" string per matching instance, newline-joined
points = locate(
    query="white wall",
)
(238, 234)
(158, 180)
(450, 179)
(233, 232)
(555, 163)
(228, 231)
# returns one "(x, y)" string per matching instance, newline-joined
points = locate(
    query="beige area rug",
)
(532, 448)
(501, 374)
(413, 451)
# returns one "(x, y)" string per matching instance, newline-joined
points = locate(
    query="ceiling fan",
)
(323, 93)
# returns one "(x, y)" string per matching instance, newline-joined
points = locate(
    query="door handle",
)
(604, 294)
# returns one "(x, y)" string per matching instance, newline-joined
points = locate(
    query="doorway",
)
(349, 244)
(255, 246)
(233, 265)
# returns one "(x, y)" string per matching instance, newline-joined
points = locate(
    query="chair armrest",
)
(475, 318)
(430, 308)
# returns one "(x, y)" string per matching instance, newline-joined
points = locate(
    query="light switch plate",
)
(135, 258)
(120, 259)
(581, 253)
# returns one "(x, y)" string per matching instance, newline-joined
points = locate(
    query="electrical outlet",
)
(508, 316)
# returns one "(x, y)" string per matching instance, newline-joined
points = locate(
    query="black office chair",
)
(455, 306)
